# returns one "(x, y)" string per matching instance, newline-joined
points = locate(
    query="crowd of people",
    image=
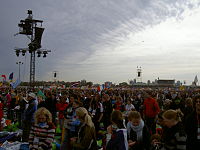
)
(133, 119)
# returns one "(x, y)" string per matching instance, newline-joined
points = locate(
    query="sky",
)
(105, 40)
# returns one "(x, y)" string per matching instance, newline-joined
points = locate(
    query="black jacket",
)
(145, 144)
(174, 138)
(191, 130)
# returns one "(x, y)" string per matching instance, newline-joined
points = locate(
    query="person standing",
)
(51, 105)
(107, 110)
(138, 133)
(151, 110)
(192, 126)
(22, 107)
(174, 136)
(8, 101)
(116, 139)
(71, 124)
(29, 116)
(86, 139)
(129, 107)
(96, 111)
(61, 106)
(1, 110)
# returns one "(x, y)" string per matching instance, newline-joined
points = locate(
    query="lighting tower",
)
(55, 75)
(139, 74)
(30, 28)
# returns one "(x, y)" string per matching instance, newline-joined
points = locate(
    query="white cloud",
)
(166, 50)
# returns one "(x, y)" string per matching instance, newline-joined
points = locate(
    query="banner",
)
(15, 84)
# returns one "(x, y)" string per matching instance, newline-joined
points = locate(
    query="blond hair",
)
(134, 115)
(189, 101)
(84, 117)
(173, 115)
(43, 112)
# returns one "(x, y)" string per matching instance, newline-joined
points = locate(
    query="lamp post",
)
(19, 63)
(29, 27)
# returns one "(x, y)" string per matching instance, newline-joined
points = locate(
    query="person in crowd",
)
(87, 99)
(129, 107)
(160, 123)
(167, 104)
(96, 111)
(138, 133)
(71, 124)
(61, 106)
(42, 132)
(119, 104)
(41, 102)
(151, 110)
(12, 107)
(107, 110)
(137, 100)
(51, 105)
(8, 101)
(22, 107)
(188, 109)
(116, 139)
(86, 139)
(1, 110)
(156, 143)
(174, 136)
(29, 116)
(192, 126)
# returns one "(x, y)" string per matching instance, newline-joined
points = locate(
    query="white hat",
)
(32, 95)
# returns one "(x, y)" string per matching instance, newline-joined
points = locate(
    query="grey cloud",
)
(75, 28)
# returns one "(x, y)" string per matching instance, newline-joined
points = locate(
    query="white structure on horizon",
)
(55, 76)
(139, 75)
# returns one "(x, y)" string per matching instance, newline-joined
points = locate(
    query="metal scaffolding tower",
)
(29, 27)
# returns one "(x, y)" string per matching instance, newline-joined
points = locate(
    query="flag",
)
(100, 88)
(107, 85)
(75, 84)
(63, 86)
(15, 84)
(195, 79)
(4, 76)
(11, 76)
(41, 94)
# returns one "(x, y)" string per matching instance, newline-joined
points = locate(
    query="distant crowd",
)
(122, 119)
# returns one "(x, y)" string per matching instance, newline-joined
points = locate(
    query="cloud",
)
(107, 39)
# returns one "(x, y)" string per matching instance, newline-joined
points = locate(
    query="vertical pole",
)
(32, 61)
(19, 69)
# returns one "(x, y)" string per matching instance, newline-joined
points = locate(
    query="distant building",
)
(148, 82)
(178, 83)
(132, 82)
(165, 82)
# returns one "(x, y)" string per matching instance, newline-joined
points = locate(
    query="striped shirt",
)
(41, 137)
(175, 138)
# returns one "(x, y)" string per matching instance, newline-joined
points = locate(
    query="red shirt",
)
(1, 111)
(151, 108)
(118, 106)
(61, 107)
